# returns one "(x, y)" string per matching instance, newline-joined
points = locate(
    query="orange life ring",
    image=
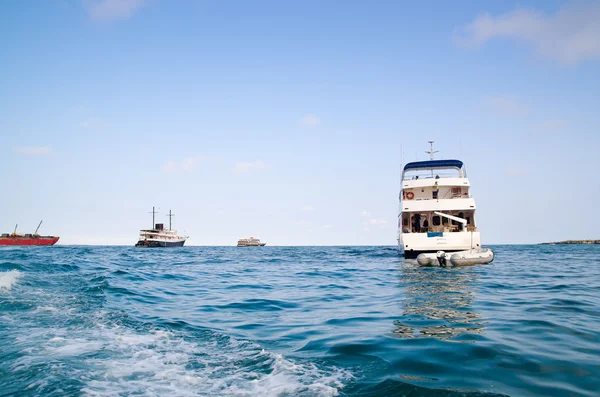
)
(410, 195)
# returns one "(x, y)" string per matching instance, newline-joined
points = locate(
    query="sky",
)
(290, 120)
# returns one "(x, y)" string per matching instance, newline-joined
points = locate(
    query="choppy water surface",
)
(297, 321)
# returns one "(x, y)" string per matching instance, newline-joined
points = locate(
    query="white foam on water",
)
(8, 279)
(163, 363)
(46, 309)
(112, 360)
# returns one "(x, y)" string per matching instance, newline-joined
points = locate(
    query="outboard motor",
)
(441, 257)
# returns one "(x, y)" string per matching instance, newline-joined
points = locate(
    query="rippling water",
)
(297, 321)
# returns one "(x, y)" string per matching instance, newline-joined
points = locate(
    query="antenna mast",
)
(38, 228)
(153, 213)
(170, 216)
(431, 152)
(15, 232)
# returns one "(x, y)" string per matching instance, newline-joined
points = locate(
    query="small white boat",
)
(479, 256)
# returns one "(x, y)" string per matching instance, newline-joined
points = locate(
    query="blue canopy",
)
(417, 165)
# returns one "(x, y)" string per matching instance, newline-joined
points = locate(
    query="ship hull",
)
(413, 244)
(28, 241)
(159, 244)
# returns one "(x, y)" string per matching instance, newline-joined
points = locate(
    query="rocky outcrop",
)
(576, 242)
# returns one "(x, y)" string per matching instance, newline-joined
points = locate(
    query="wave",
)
(110, 359)
(8, 279)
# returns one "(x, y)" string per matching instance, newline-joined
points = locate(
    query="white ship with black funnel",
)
(158, 236)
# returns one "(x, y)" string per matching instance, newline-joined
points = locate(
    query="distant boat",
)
(250, 242)
(27, 239)
(158, 236)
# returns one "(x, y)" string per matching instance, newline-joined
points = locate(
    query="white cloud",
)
(504, 105)
(369, 221)
(326, 226)
(554, 125)
(171, 166)
(111, 10)
(187, 164)
(92, 123)
(513, 171)
(569, 36)
(307, 208)
(302, 222)
(220, 212)
(310, 120)
(250, 167)
(32, 150)
(377, 221)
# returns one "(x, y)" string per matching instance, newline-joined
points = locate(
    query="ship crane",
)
(38, 228)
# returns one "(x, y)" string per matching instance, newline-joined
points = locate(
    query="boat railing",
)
(440, 229)
(455, 196)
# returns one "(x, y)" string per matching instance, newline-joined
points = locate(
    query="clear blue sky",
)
(287, 120)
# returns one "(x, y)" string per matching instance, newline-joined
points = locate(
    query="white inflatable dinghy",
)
(479, 256)
(461, 258)
(432, 259)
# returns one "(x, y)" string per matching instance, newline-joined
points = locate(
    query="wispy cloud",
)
(504, 105)
(326, 226)
(250, 167)
(92, 123)
(32, 150)
(554, 125)
(310, 120)
(111, 10)
(185, 165)
(307, 208)
(569, 36)
(514, 171)
(302, 222)
(370, 221)
(377, 221)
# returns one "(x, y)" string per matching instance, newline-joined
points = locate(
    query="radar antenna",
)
(170, 216)
(431, 152)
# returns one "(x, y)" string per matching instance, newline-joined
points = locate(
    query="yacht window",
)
(436, 220)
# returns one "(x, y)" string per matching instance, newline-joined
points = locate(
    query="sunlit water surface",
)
(297, 321)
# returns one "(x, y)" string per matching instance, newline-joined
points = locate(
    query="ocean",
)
(297, 321)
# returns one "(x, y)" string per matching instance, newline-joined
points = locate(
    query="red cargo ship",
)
(27, 239)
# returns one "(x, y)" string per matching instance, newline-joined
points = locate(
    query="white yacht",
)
(250, 242)
(158, 236)
(437, 211)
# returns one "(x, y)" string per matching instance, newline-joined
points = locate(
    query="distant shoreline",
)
(575, 242)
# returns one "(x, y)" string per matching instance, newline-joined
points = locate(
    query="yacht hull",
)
(159, 244)
(413, 244)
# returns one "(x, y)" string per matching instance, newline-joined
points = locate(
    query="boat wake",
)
(113, 359)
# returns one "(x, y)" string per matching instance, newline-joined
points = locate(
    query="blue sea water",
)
(297, 321)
